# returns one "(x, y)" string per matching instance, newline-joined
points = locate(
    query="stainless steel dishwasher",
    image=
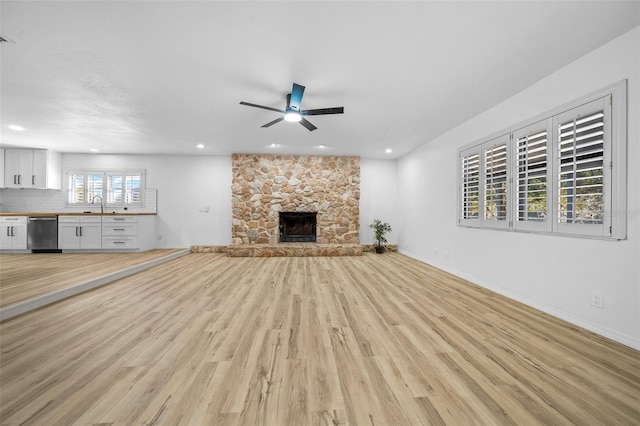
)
(42, 234)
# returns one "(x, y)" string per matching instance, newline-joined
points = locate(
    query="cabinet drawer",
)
(8, 220)
(119, 219)
(90, 219)
(124, 242)
(68, 219)
(120, 229)
(79, 219)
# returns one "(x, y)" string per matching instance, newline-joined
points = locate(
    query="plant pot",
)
(379, 249)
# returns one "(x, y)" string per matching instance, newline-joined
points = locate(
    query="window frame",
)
(614, 226)
(105, 173)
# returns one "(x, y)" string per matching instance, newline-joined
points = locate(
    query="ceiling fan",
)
(292, 111)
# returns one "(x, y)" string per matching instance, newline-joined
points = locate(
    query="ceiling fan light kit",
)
(292, 117)
(292, 112)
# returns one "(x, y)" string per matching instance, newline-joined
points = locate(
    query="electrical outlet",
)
(597, 299)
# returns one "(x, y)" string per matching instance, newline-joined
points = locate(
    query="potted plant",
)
(380, 231)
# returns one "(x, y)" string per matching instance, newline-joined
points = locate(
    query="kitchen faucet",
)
(101, 203)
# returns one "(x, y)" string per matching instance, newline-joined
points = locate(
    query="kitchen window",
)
(116, 188)
(563, 173)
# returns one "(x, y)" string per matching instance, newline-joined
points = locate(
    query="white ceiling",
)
(161, 77)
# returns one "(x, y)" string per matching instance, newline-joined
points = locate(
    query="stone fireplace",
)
(264, 186)
(297, 227)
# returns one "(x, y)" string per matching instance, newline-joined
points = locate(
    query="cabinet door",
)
(90, 235)
(18, 168)
(38, 177)
(13, 236)
(5, 237)
(11, 167)
(1, 167)
(68, 236)
(19, 236)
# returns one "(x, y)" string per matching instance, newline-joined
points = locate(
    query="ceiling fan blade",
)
(323, 111)
(271, 123)
(263, 107)
(288, 101)
(296, 97)
(307, 124)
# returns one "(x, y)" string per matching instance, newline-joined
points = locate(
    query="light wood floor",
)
(24, 276)
(373, 340)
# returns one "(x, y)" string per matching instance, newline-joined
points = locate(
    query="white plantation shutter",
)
(582, 152)
(118, 188)
(563, 173)
(124, 188)
(95, 184)
(495, 190)
(83, 186)
(133, 188)
(75, 188)
(470, 187)
(532, 176)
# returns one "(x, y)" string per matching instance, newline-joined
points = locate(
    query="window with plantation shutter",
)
(582, 152)
(116, 188)
(495, 183)
(532, 169)
(83, 187)
(123, 188)
(562, 173)
(95, 184)
(470, 203)
(75, 189)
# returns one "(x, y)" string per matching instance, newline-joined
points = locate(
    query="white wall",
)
(567, 269)
(378, 197)
(185, 184)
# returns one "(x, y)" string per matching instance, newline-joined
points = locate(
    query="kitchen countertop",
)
(76, 214)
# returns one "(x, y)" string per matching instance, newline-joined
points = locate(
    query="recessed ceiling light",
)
(273, 145)
(93, 150)
(16, 127)
(388, 151)
(322, 147)
(200, 146)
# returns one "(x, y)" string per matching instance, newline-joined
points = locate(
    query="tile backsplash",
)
(53, 201)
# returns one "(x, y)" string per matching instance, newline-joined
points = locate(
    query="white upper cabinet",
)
(32, 168)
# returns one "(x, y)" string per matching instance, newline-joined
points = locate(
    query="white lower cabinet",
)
(13, 233)
(120, 232)
(131, 232)
(79, 232)
(107, 233)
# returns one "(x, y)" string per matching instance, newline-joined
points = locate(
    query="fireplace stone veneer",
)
(265, 185)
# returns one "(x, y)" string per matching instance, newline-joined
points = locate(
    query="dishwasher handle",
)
(33, 219)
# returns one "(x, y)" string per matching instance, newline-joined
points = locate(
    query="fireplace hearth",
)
(297, 227)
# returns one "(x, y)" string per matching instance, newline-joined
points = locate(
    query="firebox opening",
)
(297, 227)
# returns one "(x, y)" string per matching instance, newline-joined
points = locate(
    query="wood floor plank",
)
(25, 276)
(382, 340)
